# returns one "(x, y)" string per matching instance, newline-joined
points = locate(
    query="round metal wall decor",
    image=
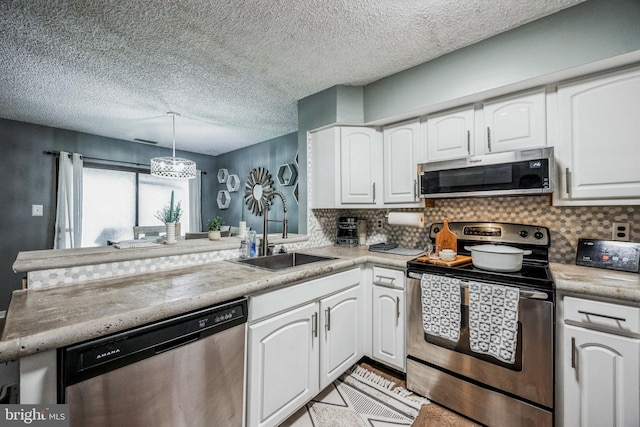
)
(258, 190)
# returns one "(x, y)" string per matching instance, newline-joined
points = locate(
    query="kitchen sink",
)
(282, 261)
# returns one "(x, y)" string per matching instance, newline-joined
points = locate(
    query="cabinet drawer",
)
(617, 318)
(273, 302)
(388, 277)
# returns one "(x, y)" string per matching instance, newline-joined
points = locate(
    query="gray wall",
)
(338, 104)
(28, 177)
(269, 154)
(588, 32)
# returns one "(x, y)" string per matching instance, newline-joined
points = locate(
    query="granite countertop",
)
(597, 282)
(61, 258)
(44, 319)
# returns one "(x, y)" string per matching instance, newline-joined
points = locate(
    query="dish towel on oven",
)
(493, 320)
(441, 306)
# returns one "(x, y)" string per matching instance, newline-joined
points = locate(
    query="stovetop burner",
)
(535, 269)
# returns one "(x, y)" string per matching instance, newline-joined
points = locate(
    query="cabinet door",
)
(601, 379)
(598, 126)
(450, 135)
(401, 145)
(342, 327)
(515, 123)
(360, 165)
(388, 326)
(283, 359)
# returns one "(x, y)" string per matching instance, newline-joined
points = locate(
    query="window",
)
(114, 201)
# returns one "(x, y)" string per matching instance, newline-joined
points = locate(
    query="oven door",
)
(530, 377)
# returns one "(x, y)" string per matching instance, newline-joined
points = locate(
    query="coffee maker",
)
(347, 231)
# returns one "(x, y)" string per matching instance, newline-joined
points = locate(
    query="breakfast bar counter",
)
(52, 317)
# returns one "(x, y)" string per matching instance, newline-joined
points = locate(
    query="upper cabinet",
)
(450, 135)
(597, 149)
(515, 123)
(401, 155)
(348, 168)
(360, 160)
(509, 123)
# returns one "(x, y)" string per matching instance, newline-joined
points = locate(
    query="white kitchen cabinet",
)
(511, 123)
(450, 135)
(597, 146)
(401, 155)
(283, 365)
(300, 339)
(600, 364)
(349, 169)
(346, 168)
(515, 123)
(360, 165)
(342, 320)
(388, 317)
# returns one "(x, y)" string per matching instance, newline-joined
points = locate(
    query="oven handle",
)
(523, 294)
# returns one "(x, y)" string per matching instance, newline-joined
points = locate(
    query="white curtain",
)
(68, 232)
(195, 208)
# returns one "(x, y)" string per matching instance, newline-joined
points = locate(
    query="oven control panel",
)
(495, 232)
(612, 255)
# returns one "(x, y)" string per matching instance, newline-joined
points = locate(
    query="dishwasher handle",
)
(178, 342)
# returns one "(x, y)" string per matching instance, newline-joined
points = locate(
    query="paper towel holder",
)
(410, 219)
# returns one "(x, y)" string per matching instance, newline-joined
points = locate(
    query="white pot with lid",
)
(500, 258)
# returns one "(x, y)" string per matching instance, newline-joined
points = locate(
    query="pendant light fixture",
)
(173, 167)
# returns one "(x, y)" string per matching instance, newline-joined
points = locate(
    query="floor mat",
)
(359, 398)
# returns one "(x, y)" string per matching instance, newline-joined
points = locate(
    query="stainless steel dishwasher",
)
(184, 371)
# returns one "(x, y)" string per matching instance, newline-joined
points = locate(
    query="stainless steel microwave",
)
(510, 173)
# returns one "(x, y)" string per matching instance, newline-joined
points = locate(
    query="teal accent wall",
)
(269, 154)
(29, 177)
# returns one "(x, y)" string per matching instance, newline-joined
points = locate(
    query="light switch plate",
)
(36, 210)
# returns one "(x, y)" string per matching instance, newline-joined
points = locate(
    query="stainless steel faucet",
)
(264, 245)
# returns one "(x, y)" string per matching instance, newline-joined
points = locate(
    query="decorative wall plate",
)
(258, 190)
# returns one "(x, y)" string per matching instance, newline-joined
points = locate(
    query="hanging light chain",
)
(173, 118)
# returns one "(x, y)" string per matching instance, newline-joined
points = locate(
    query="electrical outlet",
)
(36, 210)
(620, 231)
(379, 223)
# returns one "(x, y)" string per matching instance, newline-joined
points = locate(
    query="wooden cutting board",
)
(460, 260)
(446, 238)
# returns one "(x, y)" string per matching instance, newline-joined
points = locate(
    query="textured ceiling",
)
(234, 70)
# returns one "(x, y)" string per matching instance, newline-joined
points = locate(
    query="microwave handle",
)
(469, 141)
(489, 138)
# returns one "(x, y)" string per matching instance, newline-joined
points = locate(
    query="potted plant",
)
(170, 214)
(214, 228)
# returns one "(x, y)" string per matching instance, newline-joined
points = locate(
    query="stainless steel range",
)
(482, 387)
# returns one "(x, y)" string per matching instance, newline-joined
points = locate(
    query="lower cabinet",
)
(388, 317)
(294, 354)
(601, 368)
(283, 365)
(342, 324)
